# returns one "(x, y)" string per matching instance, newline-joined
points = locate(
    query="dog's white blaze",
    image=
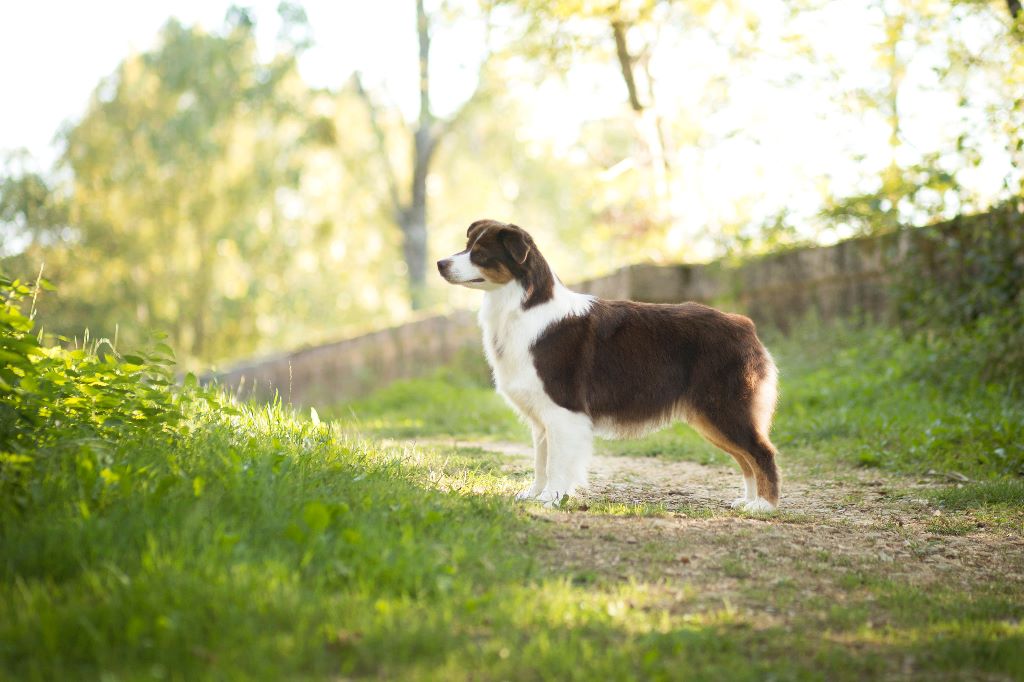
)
(462, 271)
(509, 332)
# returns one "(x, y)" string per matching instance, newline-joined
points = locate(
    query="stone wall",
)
(851, 277)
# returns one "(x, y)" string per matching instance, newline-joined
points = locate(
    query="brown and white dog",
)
(575, 366)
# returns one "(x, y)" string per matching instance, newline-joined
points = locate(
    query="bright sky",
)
(779, 145)
(55, 53)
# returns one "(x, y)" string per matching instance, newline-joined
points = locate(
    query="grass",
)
(239, 542)
(259, 545)
(873, 398)
(1001, 493)
(454, 401)
(242, 547)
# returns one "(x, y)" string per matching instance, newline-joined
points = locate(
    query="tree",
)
(177, 166)
(32, 212)
(907, 191)
(409, 208)
(567, 26)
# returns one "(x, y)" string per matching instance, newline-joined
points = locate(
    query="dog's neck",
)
(534, 284)
(536, 279)
(519, 309)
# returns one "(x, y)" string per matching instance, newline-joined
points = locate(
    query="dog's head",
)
(495, 254)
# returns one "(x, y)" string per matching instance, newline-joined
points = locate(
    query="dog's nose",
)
(442, 265)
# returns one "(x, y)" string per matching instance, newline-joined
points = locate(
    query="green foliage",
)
(972, 307)
(177, 168)
(876, 398)
(903, 194)
(71, 403)
(30, 208)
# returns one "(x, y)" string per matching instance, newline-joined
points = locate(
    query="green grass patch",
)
(1006, 493)
(258, 545)
(446, 404)
(245, 545)
(613, 508)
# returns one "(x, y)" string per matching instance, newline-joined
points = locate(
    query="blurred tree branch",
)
(410, 212)
(626, 63)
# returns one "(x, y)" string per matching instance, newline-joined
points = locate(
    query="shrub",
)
(971, 312)
(59, 401)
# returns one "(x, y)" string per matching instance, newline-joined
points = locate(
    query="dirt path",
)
(650, 519)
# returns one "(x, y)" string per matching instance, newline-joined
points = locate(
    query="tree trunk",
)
(647, 122)
(414, 251)
(411, 215)
(414, 223)
(414, 216)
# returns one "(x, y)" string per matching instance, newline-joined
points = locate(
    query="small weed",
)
(949, 525)
(869, 459)
(735, 568)
(612, 508)
(697, 511)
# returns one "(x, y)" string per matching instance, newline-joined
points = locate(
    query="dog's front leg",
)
(570, 443)
(540, 463)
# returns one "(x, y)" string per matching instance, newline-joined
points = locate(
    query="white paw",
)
(552, 498)
(759, 506)
(527, 494)
(739, 502)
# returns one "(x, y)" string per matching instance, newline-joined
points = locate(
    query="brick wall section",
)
(851, 277)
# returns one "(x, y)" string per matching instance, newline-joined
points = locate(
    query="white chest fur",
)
(509, 332)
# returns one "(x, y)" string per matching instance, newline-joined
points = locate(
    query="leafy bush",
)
(73, 402)
(880, 398)
(971, 311)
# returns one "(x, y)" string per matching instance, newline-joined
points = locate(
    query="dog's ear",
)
(475, 225)
(516, 243)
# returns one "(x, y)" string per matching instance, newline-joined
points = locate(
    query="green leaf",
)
(165, 349)
(316, 516)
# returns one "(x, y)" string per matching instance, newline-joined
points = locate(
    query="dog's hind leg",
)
(713, 436)
(743, 435)
(540, 462)
(766, 473)
(570, 444)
